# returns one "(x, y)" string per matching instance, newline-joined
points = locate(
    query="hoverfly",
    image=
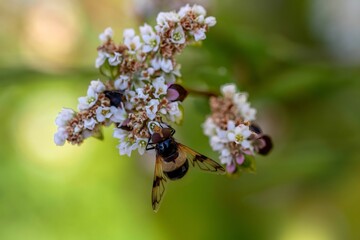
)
(172, 160)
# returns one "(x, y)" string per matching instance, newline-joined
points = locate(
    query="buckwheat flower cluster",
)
(232, 131)
(142, 81)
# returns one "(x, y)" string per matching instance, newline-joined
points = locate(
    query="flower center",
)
(132, 46)
(90, 100)
(239, 138)
(153, 43)
(142, 143)
(104, 112)
(177, 36)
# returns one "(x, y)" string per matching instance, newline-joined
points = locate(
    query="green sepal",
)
(111, 72)
(249, 164)
(98, 134)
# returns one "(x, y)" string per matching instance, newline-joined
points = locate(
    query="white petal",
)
(230, 125)
(210, 21)
(228, 90)
(246, 144)
(106, 35)
(231, 137)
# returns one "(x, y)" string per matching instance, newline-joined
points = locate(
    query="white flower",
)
(152, 108)
(118, 114)
(216, 143)
(131, 41)
(120, 134)
(115, 59)
(239, 135)
(151, 40)
(230, 125)
(240, 99)
(200, 19)
(140, 94)
(156, 63)
(129, 33)
(122, 82)
(247, 112)
(209, 127)
(130, 99)
(184, 10)
(60, 136)
(228, 90)
(64, 117)
(164, 17)
(145, 74)
(103, 113)
(88, 101)
(199, 10)
(174, 112)
(125, 148)
(210, 21)
(97, 86)
(140, 144)
(106, 35)
(222, 135)
(199, 34)
(166, 65)
(178, 35)
(225, 157)
(77, 129)
(102, 56)
(89, 123)
(160, 87)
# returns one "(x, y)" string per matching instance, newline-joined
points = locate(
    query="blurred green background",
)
(300, 62)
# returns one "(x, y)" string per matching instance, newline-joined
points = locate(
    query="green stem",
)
(201, 93)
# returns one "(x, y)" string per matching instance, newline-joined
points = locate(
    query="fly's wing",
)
(158, 189)
(203, 162)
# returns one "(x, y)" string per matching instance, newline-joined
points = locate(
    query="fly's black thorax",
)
(167, 149)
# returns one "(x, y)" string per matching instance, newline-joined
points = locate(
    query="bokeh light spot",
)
(35, 127)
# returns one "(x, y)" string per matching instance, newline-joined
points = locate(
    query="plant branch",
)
(201, 93)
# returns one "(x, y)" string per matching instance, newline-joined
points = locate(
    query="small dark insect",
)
(115, 97)
(172, 161)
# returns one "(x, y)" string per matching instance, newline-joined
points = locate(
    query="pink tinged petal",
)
(124, 125)
(240, 159)
(247, 152)
(231, 168)
(172, 94)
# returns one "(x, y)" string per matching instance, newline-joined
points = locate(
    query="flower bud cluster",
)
(142, 81)
(232, 131)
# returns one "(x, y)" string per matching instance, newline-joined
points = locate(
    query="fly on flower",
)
(172, 160)
(115, 97)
